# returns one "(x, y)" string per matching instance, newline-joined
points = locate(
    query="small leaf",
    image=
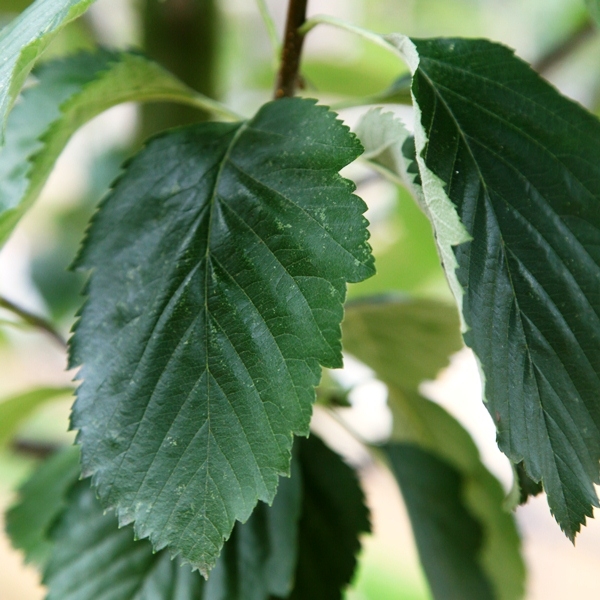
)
(24, 39)
(42, 499)
(449, 539)
(16, 410)
(405, 341)
(527, 487)
(515, 159)
(69, 92)
(220, 262)
(333, 517)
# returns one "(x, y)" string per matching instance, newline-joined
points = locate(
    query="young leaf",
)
(448, 537)
(69, 92)
(15, 410)
(42, 499)
(516, 161)
(219, 262)
(23, 40)
(404, 342)
(333, 517)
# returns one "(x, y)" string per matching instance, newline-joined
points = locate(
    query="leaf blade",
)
(256, 249)
(525, 187)
(24, 40)
(69, 93)
(392, 336)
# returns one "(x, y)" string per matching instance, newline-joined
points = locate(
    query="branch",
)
(287, 77)
(34, 321)
(561, 51)
(34, 449)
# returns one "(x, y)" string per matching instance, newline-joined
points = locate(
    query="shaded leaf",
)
(448, 537)
(516, 160)
(42, 500)
(24, 39)
(92, 558)
(333, 517)
(527, 487)
(16, 410)
(594, 9)
(405, 341)
(69, 92)
(219, 262)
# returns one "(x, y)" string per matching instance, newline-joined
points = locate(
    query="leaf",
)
(59, 517)
(449, 539)
(25, 39)
(219, 268)
(516, 160)
(406, 341)
(17, 409)
(333, 517)
(421, 333)
(92, 558)
(42, 499)
(69, 93)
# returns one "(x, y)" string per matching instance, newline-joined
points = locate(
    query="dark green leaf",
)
(70, 92)
(527, 487)
(449, 539)
(333, 517)
(517, 161)
(93, 559)
(42, 499)
(219, 262)
(406, 341)
(60, 519)
(16, 410)
(23, 40)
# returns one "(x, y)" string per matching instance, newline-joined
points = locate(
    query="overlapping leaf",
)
(406, 341)
(333, 517)
(62, 527)
(517, 161)
(23, 40)
(69, 92)
(219, 264)
(448, 537)
(42, 500)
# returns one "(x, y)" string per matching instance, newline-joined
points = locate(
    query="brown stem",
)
(565, 48)
(287, 78)
(34, 449)
(33, 320)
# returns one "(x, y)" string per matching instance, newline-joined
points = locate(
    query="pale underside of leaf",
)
(23, 40)
(68, 93)
(219, 268)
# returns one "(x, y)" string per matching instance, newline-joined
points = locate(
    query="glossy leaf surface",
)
(517, 161)
(220, 261)
(68, 93)
(24, 39)
(406, 341)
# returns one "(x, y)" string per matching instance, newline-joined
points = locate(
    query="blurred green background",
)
(221, 47)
